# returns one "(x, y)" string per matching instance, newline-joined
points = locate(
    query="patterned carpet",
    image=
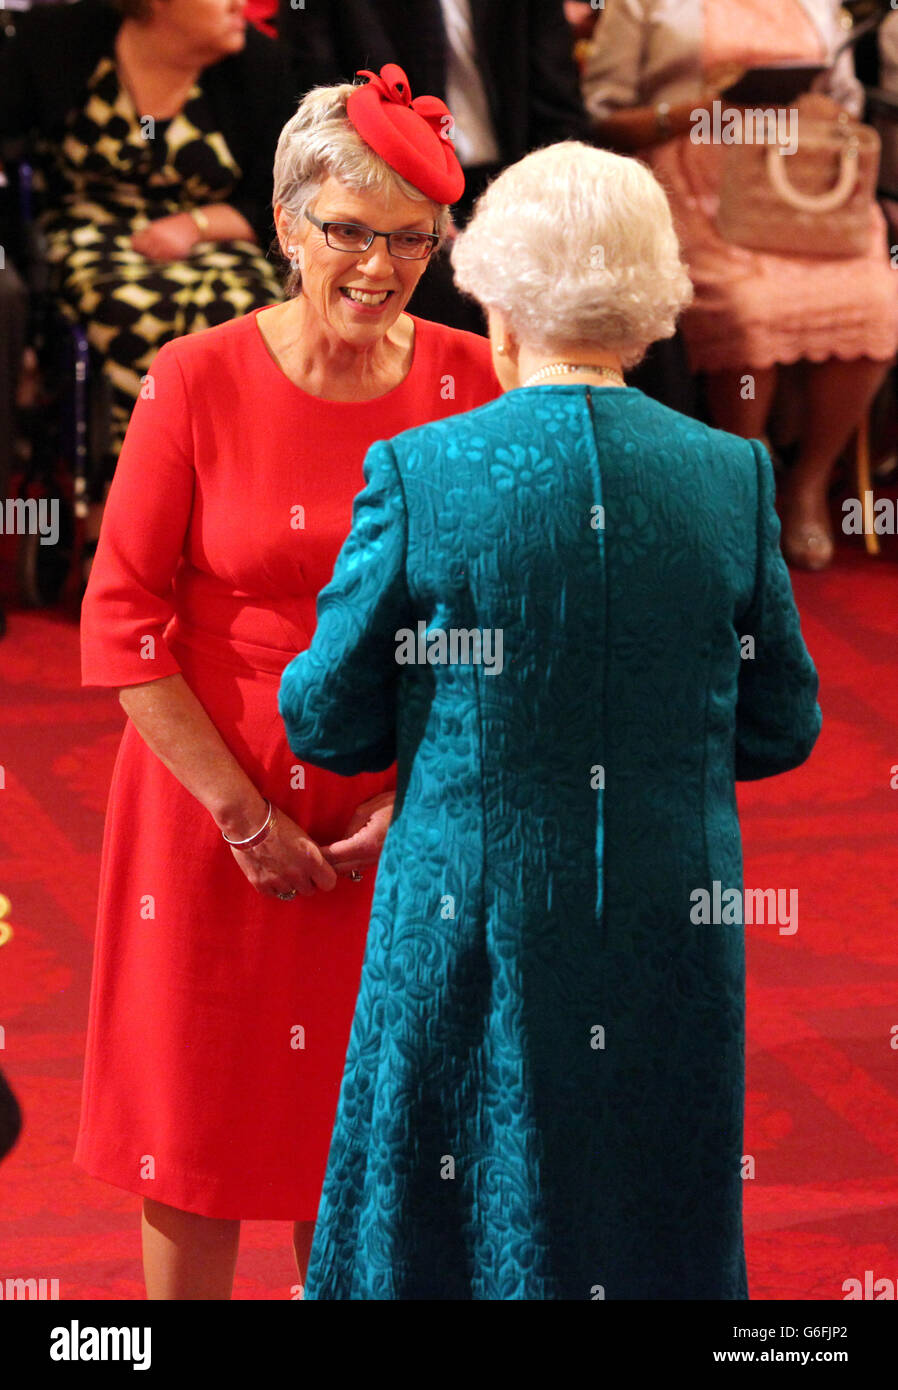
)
(822, 1064)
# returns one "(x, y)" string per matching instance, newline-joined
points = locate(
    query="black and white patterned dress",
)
(113, 174)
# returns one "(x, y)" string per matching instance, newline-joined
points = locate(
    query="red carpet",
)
(822, 1109)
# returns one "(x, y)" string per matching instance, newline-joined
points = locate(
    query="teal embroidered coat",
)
(544, 1088)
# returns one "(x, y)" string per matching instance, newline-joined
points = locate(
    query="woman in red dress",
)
(225, 975)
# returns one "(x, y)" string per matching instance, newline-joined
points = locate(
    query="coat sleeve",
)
(18, 84)
(613, 67)
(556, 103)
(338, 698)
(777, 714)
(129, 598)
(47, 60)
(270, 101)
(309, 33)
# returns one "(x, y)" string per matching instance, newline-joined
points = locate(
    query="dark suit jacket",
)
(524, 48)
(45, 67)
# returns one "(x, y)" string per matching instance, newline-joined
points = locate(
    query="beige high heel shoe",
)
(808, 545)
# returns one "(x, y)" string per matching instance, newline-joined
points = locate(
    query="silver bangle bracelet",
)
(259, 836)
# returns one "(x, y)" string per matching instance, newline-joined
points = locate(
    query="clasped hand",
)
(289, 859)
(168, 238)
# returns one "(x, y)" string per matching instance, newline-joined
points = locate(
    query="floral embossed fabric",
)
(543, 1092)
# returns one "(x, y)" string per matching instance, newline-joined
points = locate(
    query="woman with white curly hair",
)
(542, 611)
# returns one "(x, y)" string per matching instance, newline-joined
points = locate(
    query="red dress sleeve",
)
(129, 598)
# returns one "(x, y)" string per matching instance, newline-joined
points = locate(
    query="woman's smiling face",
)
(360, 295)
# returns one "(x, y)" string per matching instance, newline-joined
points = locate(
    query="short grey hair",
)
(576, 245)
(320, 141)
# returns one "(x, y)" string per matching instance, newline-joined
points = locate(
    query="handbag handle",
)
(849, 171)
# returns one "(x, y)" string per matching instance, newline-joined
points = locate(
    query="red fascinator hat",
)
(411, 136)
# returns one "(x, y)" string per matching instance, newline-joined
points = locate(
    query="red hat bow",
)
(413, 137)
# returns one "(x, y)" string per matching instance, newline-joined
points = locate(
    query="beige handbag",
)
(814, 202)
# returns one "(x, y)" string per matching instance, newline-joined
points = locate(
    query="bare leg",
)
(186, 1256)
(839, 395)
(302, 1245)
(729, 408)
(786, 423)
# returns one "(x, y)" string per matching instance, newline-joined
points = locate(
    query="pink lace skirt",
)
(751, 308)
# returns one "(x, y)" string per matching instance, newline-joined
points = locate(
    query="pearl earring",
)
(500, 348)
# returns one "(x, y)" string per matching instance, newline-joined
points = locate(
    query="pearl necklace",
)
(568, 368)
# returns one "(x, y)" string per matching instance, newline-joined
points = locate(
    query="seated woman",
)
(652, 69)
(156, 124)
(541, 612)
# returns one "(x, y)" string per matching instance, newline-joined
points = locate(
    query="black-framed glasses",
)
(351, 237)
